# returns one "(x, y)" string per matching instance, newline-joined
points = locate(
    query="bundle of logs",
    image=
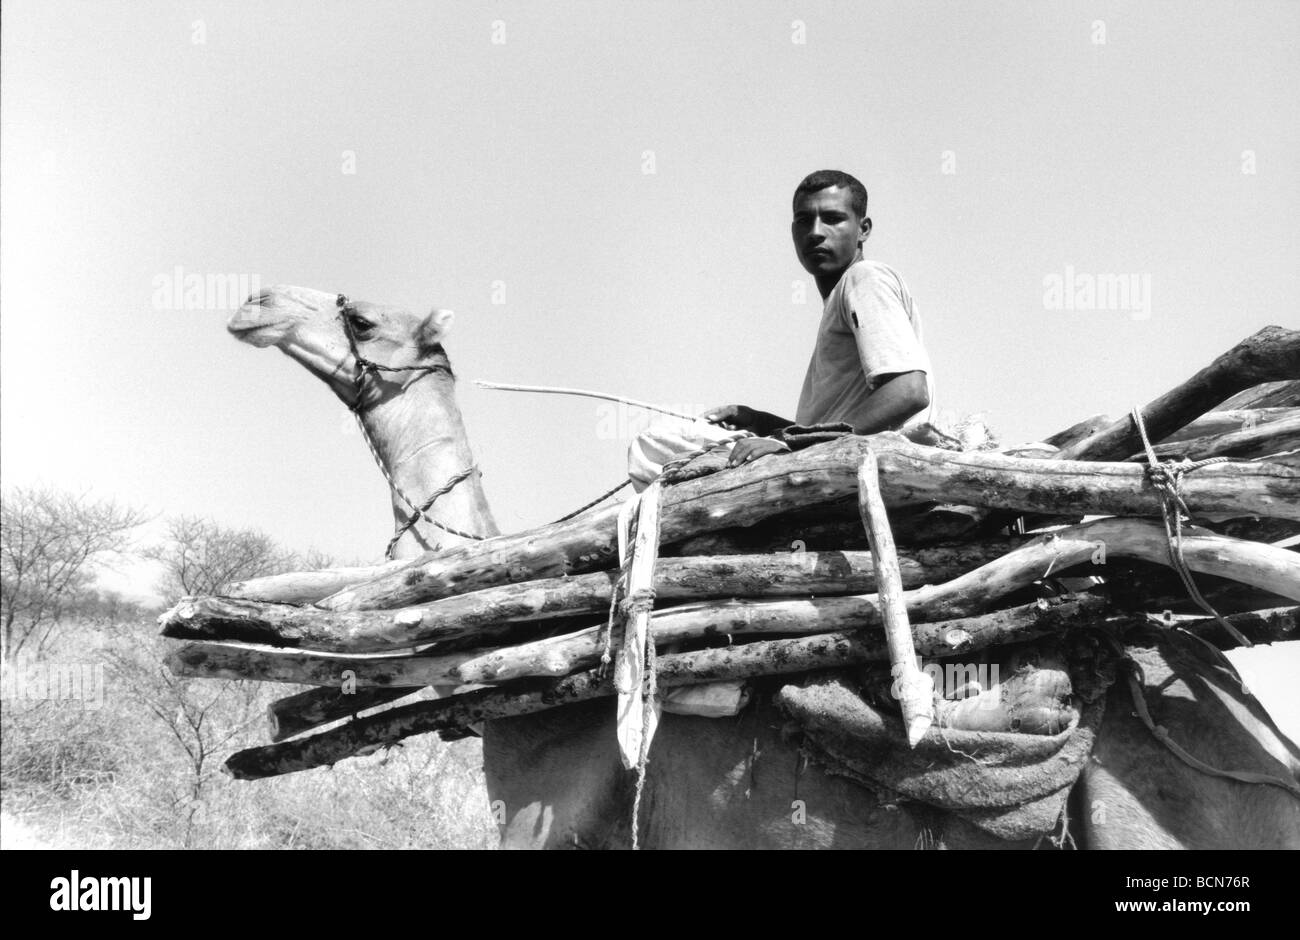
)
(765, 569)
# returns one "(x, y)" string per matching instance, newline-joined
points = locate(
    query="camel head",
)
(307, 325)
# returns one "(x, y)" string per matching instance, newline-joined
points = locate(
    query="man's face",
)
(826, 230)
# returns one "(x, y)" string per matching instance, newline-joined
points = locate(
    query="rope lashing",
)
(422, 510)
(642, 600)
(366, 368)
(1167, 479)
(595, 502)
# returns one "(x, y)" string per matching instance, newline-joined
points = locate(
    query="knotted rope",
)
(1167, 479)
(422, 511)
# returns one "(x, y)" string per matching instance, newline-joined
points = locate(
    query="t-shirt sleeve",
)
(886, 340)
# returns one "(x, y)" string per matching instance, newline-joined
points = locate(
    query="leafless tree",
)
(201, 556)
(51, 544)
(205, 718)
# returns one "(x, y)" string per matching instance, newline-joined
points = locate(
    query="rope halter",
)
(367, 368)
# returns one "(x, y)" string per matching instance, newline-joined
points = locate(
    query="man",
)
(868, 367)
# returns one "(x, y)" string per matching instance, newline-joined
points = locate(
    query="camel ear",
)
(436, 326)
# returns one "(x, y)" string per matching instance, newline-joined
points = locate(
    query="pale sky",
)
(508, 148)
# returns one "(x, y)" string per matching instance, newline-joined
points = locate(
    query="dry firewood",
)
(914, 688)
(278, 664)
(833, 526)
(306, 587)
(1215, 423)
(1077, 432)
(323, 705)
(773, 657)
(1271, 355)
(824, 473)
(487, 615)
(1273, 569)
(1265, 395)
(793, 574)
(1261, 440)
(455, 713)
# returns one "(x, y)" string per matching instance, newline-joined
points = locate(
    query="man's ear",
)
(865, 231)
(435, 327)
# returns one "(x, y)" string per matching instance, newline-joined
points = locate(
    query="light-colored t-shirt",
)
(870, 328)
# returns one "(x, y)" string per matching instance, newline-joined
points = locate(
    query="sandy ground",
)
(15, 835)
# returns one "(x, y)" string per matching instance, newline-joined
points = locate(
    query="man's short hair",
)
(825, 179)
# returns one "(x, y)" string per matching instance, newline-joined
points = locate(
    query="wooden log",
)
(834, 526)
(1057, 486)
(801, 654)
(1255, 529)
(322, 705)
(913, 688)
(492, 614)
(1100, 541)
(278, 664)
(454, 625)
(826, 473)
(791, 574)
(453, 714)
(1265, 395)
(1077, 432)
(306, 587)
(1272, 354)
(1269, 625)
(1251, 442)
(1214, 423)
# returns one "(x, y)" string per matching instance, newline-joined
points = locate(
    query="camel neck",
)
(420, 436)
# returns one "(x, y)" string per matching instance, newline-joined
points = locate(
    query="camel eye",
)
(360, 323)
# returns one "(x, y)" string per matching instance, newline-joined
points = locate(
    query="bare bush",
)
(200, 556)
(50, 546)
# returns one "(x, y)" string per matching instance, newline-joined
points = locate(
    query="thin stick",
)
(549, 390)
(914, 688)
(636, 721)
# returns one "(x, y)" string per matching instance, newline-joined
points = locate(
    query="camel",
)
(555, 778)
(411, 417)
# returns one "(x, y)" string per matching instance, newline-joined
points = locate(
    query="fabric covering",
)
(661, 444)
(1011, 785)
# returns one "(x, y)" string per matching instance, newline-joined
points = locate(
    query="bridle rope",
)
(365, 369)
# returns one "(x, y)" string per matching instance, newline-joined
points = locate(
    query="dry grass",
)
(120, 776)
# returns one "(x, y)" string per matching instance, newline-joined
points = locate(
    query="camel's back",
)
(710, 783)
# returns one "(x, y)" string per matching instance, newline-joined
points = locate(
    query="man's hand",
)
(751, 448)
(732, 417)
(744, 418)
